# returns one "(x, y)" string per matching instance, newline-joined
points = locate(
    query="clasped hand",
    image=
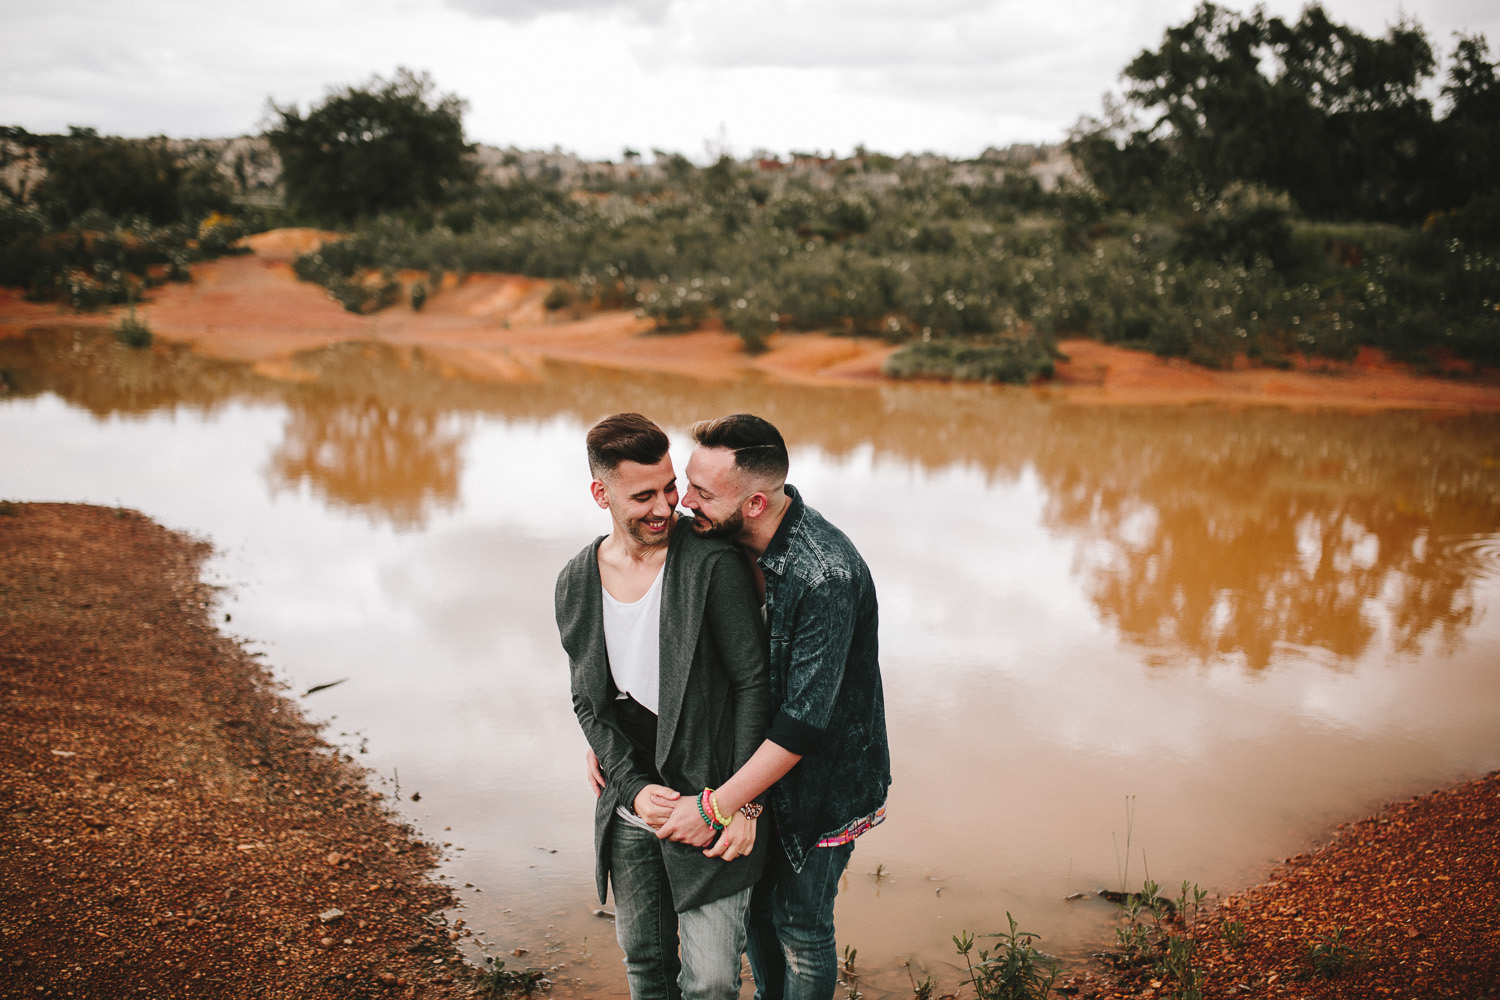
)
(686, 826)
(677, 818)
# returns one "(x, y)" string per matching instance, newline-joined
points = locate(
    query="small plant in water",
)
(1159, 932)
(1016, 971)
(1124, 865)
(132, 331)
(850, 980)
(499, 981)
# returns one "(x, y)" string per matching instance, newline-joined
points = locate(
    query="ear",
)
(601, 495)
(756, 504)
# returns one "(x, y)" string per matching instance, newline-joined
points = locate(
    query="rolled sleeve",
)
(824, 630)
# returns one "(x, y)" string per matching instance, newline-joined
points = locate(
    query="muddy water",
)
(1180, 643)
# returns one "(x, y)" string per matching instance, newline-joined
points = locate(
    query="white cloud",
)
(595, 76)
(521, 11)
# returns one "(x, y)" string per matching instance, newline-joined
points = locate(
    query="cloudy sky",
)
(596, 76)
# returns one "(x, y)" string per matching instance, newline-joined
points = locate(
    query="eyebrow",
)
(670, 485)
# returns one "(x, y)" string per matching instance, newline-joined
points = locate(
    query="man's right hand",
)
(595, 772)
(654, 804)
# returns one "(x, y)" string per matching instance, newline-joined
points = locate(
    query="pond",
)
(1178, 642)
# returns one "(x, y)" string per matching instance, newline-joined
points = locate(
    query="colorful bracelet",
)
(713, 804)
(704, 812)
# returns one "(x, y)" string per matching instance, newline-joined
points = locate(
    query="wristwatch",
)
(751, 810)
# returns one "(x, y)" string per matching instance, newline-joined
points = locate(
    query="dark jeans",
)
(712, 935)
(791, 943)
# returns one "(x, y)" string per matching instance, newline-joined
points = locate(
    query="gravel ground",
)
(1405, 904)
(171, 826)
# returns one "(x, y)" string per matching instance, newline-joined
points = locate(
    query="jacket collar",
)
(774, 559)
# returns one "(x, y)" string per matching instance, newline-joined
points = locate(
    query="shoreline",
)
(496, 328)
(176, 824)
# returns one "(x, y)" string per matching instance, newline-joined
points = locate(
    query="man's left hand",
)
(686, 825)
(736, 840)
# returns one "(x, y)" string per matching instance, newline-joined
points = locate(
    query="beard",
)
(727, 528)
(637, 530)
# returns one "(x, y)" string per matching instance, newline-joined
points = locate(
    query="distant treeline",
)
(1262, 188)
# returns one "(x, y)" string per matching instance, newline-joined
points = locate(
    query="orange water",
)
(1180, 643)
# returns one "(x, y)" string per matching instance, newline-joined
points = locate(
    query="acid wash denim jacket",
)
(825, 678)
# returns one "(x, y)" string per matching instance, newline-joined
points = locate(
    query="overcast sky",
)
(596, 76)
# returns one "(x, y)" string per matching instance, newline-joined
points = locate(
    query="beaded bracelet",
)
(704, 812)
(713, 804)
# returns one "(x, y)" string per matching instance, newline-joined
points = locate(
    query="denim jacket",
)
(825, 678)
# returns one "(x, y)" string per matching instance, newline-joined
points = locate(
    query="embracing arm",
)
(822, 636)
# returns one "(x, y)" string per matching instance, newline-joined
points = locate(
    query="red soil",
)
(495, 327)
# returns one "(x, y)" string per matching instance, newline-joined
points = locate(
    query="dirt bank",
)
(1411, 894)
(496, 327)
(171, 826)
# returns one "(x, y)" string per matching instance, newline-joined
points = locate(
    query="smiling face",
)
(640, 499)
(716, 493)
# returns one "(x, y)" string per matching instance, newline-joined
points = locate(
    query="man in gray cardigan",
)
(667, 654)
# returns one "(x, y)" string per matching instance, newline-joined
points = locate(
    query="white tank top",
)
(632, 636)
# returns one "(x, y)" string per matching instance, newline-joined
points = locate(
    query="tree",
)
(1309, 107)
(120, 177)
(383, 146)
(1472, 128)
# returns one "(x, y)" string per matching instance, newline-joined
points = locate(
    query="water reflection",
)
(1242, 533)
(1039, 565)
(393, 462)
(1204, 534)
(89, 369)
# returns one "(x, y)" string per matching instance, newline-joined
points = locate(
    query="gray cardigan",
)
(714, 697)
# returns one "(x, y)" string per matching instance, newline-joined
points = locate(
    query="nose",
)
(690, 499)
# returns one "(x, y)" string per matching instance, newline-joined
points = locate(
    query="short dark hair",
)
(757, 444)
(624, 437)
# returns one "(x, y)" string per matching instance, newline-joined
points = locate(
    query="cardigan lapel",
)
(593, 652)
(681, 617)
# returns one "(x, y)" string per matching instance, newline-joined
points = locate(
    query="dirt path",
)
(171, 826)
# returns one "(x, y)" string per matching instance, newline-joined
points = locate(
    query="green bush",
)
(1246, 223)
(132, 331)
(1014, 361)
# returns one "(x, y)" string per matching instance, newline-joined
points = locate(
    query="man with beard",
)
(667, 658)
(825, 759)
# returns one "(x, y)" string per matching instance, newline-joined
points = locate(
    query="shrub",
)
(1014, 361)
(1016, 971)
(132, 331)
(1245, 222)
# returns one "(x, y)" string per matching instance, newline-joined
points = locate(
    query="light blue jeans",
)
(712, 936)
(791, 943)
